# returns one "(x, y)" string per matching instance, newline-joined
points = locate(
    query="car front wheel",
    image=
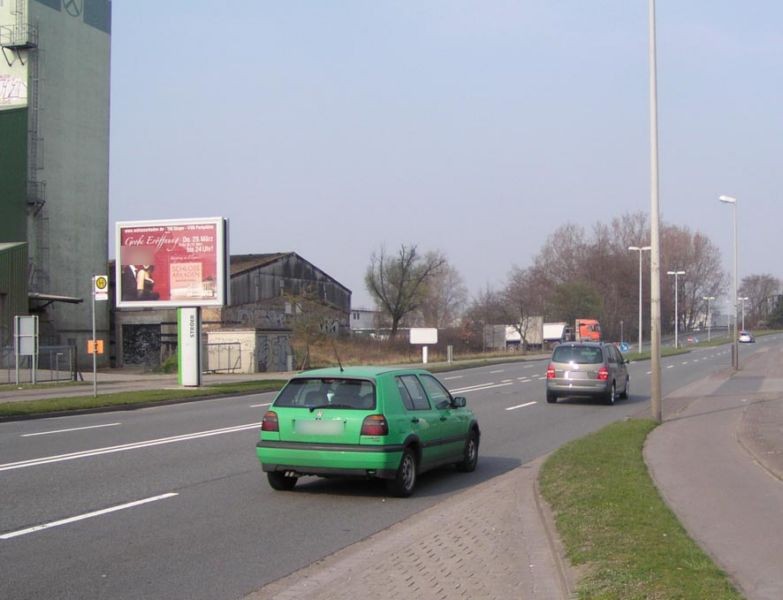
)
(470, 458)
(627, 391)
(405, 480)
(611, 395)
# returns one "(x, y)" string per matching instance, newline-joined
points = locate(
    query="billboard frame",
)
(219, 255)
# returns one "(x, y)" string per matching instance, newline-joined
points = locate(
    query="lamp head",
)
(728, 199)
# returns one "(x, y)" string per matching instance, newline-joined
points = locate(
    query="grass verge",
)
(617, 531)
(133, 398)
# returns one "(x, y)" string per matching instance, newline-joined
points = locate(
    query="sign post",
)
(26, 342)
(100, 293)
(423, 336)
(189, 346)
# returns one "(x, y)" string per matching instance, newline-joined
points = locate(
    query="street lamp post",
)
(743, 300)
(676, 308)
(709, 319)
(735, 344)
(655, 217)
(640, 250)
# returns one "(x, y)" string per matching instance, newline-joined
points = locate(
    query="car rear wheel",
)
(405, 480)
(611, 395)
(551, 397)
(280, 482)
(470, 458)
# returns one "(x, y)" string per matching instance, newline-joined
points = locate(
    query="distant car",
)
(368, 422)
(593, 369)
(745, 337)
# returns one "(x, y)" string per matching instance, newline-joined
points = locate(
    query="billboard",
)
(172, 263)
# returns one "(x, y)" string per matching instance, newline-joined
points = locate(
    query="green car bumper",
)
(351, 460)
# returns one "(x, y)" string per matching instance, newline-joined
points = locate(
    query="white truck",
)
(555, 333)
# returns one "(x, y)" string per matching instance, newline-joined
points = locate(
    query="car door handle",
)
(415, 420)
(443, 418)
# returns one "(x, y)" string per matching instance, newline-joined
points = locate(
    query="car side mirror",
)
(459, 402)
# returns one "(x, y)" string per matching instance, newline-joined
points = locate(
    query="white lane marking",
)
(670, 367)
(521, 405)
(22, 464)
(684, 362)
(498, 371)
(528, 367)
(452, 377)
(649, 372)
(478, 389)
(260, 405)
(523, 379)
(68, 430)
(471, 387)
(506, 380)
(13, 534)
(542, 378)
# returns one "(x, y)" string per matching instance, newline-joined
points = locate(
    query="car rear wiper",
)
(319, 406)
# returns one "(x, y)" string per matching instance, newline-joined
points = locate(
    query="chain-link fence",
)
(55, 363)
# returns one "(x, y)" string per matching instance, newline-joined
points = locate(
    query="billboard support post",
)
(189, 346)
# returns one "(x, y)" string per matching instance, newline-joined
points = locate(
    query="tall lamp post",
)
(743, 300)
(655, 217)
(676, 308)
(735, 344)
(640, 250)
(709, 319)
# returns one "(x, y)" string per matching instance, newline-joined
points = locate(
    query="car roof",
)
(362, 372)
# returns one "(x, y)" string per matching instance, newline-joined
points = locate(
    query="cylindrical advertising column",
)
(189, 346)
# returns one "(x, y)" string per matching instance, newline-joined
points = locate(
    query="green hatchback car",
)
(369, 422)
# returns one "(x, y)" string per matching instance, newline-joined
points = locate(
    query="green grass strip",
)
(616, 529)
(133, 398)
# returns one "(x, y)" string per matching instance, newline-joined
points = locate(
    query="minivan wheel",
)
(611, 394)
(405, 480)
(278, 481)
(551, 397)
(626, 392)
(470, 458)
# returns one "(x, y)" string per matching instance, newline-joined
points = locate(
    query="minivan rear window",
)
(308, 392)
(582, 355)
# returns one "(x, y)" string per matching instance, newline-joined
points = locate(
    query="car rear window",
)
(582, 355)
(308, 392)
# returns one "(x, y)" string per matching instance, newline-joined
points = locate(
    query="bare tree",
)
(443, 297)
(759, 289)
(398, 283)
(311, 319)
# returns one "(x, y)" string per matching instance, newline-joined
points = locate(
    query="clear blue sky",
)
(473, 128)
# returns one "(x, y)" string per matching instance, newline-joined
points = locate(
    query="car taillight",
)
(603, 374)
(374, 425)
(269, 423)
(550, 372)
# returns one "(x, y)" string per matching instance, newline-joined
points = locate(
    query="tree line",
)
(577, 273)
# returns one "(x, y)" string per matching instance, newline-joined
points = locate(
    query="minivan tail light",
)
(375, 425)
(550, 372)
(269, 422)
(603, 374)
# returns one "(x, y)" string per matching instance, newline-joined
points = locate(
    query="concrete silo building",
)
(54, 156)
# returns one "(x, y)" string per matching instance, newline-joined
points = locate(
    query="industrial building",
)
(54, 159)
(271, 294)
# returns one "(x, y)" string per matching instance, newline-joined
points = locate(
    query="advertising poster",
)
(179, 263)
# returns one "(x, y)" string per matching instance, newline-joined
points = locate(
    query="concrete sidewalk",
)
(493, 541)
(718, 462)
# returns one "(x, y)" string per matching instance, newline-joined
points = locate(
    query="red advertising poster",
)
(174, 263)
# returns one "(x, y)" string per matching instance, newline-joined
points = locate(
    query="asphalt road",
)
(170, 502)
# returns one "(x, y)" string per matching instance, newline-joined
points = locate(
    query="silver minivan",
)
(594, 369)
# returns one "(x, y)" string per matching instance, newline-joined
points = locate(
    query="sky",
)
(333, 129)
